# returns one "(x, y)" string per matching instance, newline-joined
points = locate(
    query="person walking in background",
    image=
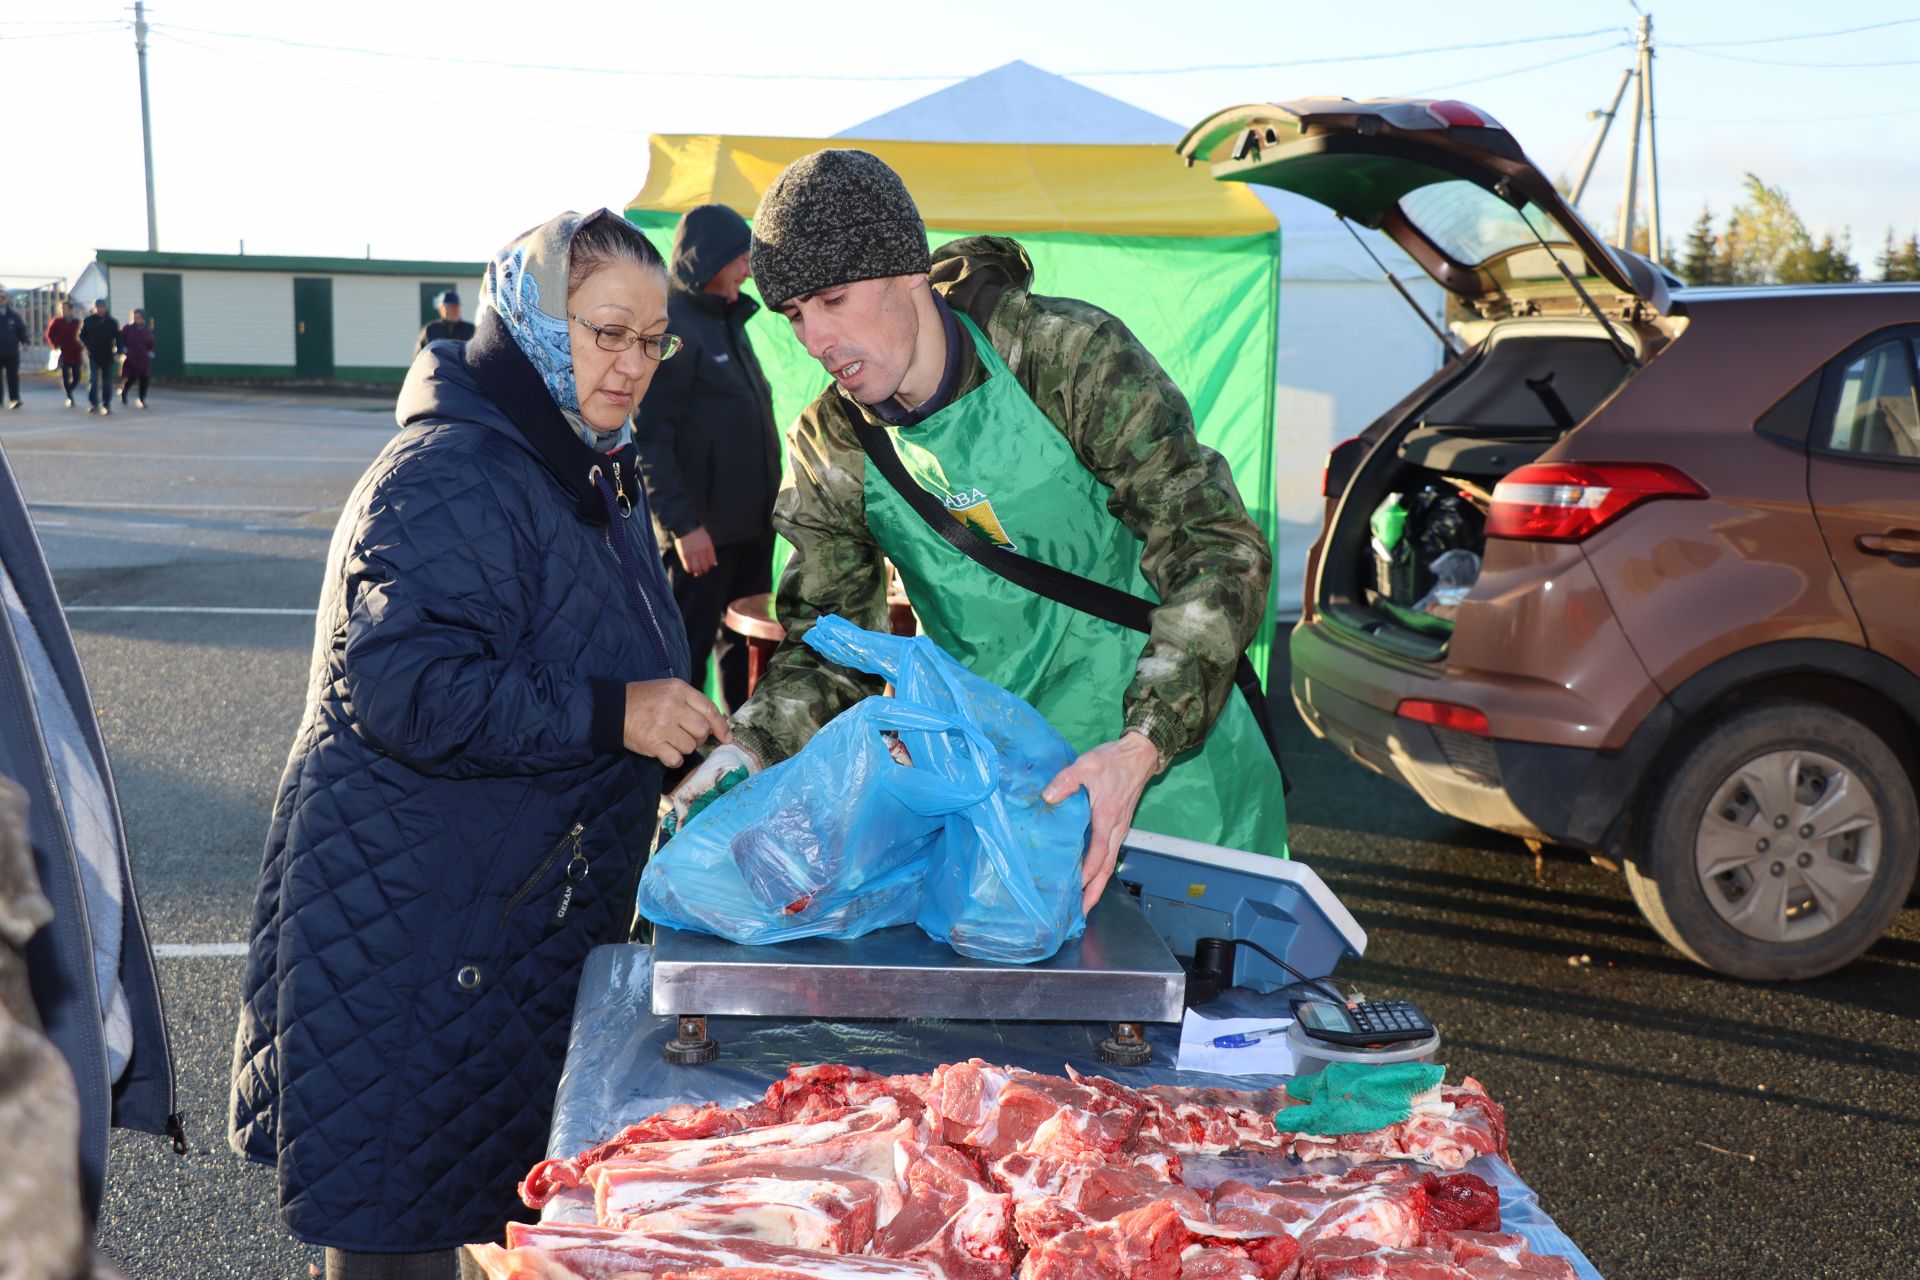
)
(709, 450)
(136, 357)
(13, 336)
(63, 335)
(449, 325)
(99, 335)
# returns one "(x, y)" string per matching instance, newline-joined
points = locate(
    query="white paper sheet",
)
(1270, 1056)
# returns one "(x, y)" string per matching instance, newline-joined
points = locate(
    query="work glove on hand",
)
(705, 784)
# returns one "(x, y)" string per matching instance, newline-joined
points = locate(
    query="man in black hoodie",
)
(708, 450)
(99, 334)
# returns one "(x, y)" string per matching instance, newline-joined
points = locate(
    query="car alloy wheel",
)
(1788, 846)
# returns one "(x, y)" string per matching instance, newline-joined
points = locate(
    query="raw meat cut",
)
(808, 1209)
(984, 1172)
(1460, 1202)
(950, 1218)
(1460, 1124)
(601, 1253)
(1489, 1255)
(999, 1110)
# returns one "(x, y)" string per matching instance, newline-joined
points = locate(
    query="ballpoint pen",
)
(1247, 1039)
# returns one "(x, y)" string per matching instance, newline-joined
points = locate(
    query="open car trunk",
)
(1407, 540)
(1566, 320)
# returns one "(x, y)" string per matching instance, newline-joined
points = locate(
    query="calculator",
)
(1366, 1023)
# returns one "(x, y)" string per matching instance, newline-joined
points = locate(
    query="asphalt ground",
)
(1676, 1124)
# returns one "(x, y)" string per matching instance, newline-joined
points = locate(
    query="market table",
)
(615, 1075)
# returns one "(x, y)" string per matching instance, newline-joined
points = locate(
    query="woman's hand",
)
(669, 719)
(1114, 774)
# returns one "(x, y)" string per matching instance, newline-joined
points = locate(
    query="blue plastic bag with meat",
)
(843, 838)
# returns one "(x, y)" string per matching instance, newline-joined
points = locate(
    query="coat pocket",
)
(554, 902)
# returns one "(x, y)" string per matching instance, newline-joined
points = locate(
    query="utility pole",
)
(1628, 199)
(1653, 155)
(146, 120)
(1606, 123)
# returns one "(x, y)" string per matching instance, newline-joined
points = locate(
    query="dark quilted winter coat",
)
(458, 823)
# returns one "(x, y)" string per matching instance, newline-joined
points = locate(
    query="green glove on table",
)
(1353, 1097)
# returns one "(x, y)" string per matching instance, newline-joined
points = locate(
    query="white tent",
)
(1349, 346)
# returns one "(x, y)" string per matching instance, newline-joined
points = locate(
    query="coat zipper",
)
(532, 882)
(598, 479)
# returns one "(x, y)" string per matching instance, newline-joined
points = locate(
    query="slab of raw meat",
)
(1345, 1258)
(1141, 1244)
(550, 1177)
(803, 1094)
(1213, 1121)
(1489, 1255)
(601, 1253)
(950, 1219)
(1380, 1204)
(1459, 1124)
(857, 1140)
(996, 1111)
(1054, 1194)
(1460, 1202)
(809, 1209)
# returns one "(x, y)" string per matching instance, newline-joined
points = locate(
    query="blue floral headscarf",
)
(527, 285)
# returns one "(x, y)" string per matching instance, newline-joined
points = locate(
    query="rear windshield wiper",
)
(1446, 339)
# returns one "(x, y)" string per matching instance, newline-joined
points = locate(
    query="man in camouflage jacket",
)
(888, 334)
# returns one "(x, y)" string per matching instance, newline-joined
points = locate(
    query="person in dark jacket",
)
(499, 674)
(136, 357)
(13, 336)
(709, 449)
(448, 326)
(63, 335)
(100, 334)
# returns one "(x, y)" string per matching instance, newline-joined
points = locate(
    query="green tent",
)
(1191, 266)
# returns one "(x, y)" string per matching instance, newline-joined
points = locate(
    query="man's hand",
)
(1114, 774)
(669, 719)
(696, 551)
(719, 762)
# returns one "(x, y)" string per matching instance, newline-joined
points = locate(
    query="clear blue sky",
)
(324, 152)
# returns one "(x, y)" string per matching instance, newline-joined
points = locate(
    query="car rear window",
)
(1471, 225)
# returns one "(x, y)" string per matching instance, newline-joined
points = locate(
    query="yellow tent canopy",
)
(980, 186)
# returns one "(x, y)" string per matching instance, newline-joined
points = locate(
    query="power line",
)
(1790, 62)
(1514, 71)
(675, 74)
(1808, 35)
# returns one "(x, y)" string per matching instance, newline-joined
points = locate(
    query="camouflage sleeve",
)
(836, 567)
(1202, 552)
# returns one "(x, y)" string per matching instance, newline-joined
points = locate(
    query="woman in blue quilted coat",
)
(499, 674)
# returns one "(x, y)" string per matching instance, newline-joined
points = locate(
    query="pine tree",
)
(1907, 263)
(1889, 256)
(1697, 265)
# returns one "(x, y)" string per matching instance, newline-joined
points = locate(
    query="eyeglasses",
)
(618, 338)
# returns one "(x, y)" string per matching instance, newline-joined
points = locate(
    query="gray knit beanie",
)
(831, 218)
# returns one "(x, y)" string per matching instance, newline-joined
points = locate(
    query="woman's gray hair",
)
(606, 238)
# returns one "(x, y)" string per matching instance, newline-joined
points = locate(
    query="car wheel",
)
(1780, 842)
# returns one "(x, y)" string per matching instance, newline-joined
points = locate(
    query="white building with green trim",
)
(265, 318)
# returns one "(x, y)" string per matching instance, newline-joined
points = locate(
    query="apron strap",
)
(1049, 581)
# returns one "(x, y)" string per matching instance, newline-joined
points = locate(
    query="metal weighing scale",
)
(1123, 970)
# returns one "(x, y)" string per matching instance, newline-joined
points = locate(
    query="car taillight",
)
(1460, 115)
(1446, 715)
(1566, 502)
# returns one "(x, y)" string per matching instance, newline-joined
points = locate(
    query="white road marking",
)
(356, 460)
(199, 949)
(188, 608)
(173, 506)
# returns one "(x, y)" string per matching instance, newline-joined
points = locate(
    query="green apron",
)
(1003, 468)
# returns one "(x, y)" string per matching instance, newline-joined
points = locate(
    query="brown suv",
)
(1638, 571)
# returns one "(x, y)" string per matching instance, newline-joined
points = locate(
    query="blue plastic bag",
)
(841, 839)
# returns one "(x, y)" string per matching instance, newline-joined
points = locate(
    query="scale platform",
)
(1117, 971)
